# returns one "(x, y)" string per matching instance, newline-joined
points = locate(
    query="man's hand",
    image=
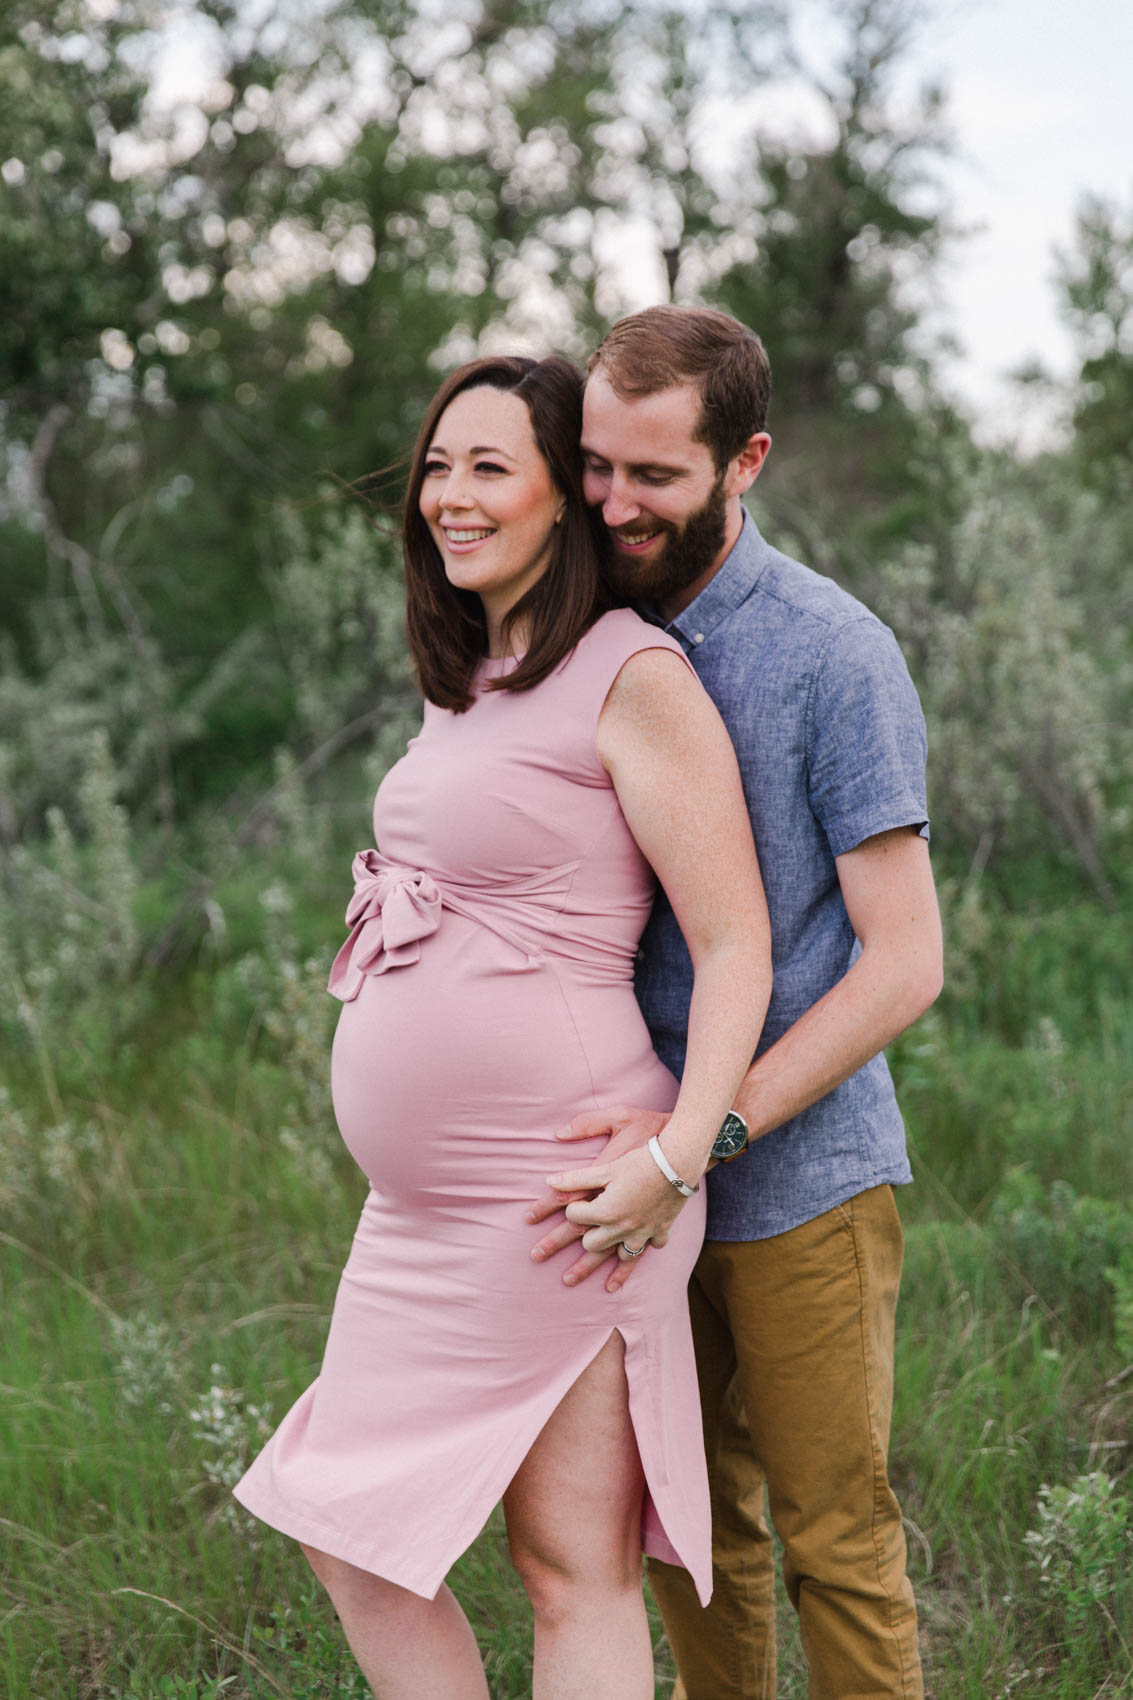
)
(627, 1130)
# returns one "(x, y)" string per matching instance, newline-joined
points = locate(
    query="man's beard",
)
(688, 552)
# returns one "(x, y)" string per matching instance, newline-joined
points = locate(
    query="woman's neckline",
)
(498, 663)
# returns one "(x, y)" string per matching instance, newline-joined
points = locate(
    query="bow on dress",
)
(392, 910)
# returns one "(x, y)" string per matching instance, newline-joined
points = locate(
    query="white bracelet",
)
(668, 1170)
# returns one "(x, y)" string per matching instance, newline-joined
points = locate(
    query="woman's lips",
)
(463, 539)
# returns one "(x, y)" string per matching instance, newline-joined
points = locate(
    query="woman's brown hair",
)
(448, 634)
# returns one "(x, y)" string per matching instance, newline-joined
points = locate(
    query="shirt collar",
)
(731, 584)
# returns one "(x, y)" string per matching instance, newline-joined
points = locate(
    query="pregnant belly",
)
(450, 1076)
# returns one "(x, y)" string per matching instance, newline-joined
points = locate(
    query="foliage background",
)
(220, 316)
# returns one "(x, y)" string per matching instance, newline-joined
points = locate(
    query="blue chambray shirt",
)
(831, 744)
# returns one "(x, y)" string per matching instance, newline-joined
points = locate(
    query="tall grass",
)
(177, 1208)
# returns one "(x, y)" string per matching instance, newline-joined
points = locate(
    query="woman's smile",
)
(489, 499)
(462, 539)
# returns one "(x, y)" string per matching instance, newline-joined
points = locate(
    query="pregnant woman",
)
(568, 753)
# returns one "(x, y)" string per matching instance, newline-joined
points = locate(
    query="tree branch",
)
(59, 545)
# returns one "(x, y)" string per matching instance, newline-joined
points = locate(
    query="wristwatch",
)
(732, 1139)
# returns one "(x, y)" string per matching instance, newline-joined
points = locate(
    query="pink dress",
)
(488, 997)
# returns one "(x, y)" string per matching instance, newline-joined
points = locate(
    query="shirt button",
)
(698, 637)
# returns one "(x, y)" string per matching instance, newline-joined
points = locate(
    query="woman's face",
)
(488, 498)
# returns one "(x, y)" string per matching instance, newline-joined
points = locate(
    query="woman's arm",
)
(665, 747)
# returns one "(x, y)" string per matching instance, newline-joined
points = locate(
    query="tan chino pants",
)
(794, 1346)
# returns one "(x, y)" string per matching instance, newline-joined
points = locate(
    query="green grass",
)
(173, 1236)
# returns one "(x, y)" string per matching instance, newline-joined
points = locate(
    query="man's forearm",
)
(876, 1000)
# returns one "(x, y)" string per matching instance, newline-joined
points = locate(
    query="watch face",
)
(731, 1139)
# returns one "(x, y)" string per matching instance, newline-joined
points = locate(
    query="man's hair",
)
(663, 346)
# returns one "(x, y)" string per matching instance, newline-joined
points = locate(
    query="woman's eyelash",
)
(481, 466)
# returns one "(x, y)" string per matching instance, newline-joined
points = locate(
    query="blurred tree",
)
(70, 268)
(830, 256)
(238, 245)
(211, 291)
(1095, 280)
(1016, 632)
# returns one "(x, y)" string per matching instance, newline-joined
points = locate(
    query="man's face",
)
(666, 507)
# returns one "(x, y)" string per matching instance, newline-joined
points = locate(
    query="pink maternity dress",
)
(487, 988)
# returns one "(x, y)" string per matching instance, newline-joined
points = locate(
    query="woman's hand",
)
(627, 1129)
(632, 1204)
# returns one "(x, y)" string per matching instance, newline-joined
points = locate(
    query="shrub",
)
(1081, 1549)
(1065, 1246)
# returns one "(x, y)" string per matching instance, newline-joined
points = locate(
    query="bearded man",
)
(794, 1297)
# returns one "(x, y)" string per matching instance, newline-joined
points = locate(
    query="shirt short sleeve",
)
(865, 738)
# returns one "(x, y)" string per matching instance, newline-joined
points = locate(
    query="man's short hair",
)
(663, 346)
